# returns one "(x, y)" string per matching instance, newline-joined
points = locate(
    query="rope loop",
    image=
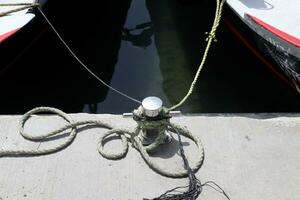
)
(102, 140)
(158, 123)
(179, 173)
(125, 136)
(39, 110)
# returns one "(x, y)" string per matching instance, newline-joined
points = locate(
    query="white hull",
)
(278, 21)
(13, 22)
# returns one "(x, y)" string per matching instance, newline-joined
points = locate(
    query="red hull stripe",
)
(288, 38)
(8, 34)
(257, 53)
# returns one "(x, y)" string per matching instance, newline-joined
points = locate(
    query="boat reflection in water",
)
(162, 45)
(232, 80)
(44, 72)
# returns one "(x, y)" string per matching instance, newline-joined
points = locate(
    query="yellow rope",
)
(23, 7)
(210, 38)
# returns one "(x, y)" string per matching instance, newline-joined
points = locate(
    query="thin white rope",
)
(82, 64)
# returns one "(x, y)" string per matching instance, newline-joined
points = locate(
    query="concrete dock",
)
(251, 156)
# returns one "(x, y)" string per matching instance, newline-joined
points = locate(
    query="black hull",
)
(14, 46)
(268, 54)
(38, 69)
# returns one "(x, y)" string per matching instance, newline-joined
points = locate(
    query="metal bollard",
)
(152, 107)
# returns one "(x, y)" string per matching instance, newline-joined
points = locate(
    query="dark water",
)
(159, 59)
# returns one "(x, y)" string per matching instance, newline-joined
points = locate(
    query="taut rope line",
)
(82, 64)
(31, 5)
(210, 38)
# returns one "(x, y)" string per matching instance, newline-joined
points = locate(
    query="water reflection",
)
(46, 74)
(179, 37)
(140, 35)
(142, 48)
(137, 71)
(233, 80)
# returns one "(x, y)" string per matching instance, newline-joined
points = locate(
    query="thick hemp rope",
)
(125, 136)
(163, 124)
(22, 6)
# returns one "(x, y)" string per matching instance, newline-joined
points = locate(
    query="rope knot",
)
(211, 36)
(151, 122)
(152, 130)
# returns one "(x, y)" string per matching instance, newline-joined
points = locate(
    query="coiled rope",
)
(164, 124)
(125, 136)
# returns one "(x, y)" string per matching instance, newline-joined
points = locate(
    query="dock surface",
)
(251, 156)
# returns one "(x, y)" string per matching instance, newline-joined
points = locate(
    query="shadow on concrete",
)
(168, 150)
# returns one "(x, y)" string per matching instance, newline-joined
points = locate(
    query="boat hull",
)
(276, 48)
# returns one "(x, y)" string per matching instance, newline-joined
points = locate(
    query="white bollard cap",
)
(152, 106)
